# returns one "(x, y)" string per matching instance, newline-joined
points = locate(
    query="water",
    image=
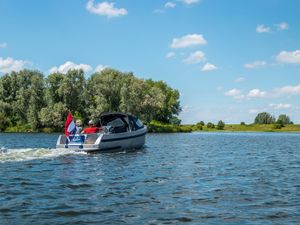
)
(197, 178)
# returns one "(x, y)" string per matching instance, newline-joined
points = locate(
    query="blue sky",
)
(229, 59)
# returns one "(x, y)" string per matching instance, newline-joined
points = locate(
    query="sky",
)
(230, 60)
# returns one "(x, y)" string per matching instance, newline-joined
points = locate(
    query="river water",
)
(196, 178)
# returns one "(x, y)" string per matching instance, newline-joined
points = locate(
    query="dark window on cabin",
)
(135, 123)
(117, 123)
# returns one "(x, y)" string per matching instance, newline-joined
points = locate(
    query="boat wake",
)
(26, 154)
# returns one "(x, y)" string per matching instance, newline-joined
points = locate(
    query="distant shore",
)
(185, 128)
(168, 128)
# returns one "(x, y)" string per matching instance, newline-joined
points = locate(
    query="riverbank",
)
(169, 128)
(155, 127)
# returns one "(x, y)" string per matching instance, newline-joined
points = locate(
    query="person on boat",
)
(91, 128)
(78, 126)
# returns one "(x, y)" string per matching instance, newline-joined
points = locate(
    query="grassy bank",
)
(262, 128)
(155, 127)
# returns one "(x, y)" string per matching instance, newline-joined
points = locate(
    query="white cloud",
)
(280, 106)
(287, 90)
(189, 2)
(282, 26)
(239, 79)
(105, 9)
(100, 68)
(209, 67)
(256, 93)
(170, 5)
(170, 55)
(255, 64)
(9, 64)
(235, 93)
(188, 40)
(289, 57)
(3, 45)
(261, 28)
(64, 68)
(195, 57)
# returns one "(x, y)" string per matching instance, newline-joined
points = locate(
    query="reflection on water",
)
(198, 178)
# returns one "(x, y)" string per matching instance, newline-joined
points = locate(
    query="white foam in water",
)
(26, 154)
(3, 150)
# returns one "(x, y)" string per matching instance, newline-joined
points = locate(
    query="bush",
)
(201, 123)
(264, 118)
(47, 130)
(243, 124)
(210, 125)
(220, 125)
(175, 120)
(197, 127)
(277, 126)
(4, 122)
(283, 119)
(157, 127)
(20, 128)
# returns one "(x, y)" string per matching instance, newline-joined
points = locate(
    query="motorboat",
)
(118, 132)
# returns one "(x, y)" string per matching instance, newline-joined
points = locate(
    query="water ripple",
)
(198, 178)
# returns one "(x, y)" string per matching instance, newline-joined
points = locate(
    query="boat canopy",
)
(120, 122)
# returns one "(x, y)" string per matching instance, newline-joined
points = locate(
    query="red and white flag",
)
(70, 127)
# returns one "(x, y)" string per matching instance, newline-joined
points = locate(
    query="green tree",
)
(6, 97)
(201, 123)
(210, 125)
(66, 91)
(278, 126)
(111, 90)
(54, 116)
(72, 91)
(171, 103)
(283, 119)
(140, 99)
(264, 118)
(27, 98)
(22, 97)
(4, 122)
(175, 120)
(52, 93)
(36, 100)
(220, 125)
(152, 103)
(104, 91)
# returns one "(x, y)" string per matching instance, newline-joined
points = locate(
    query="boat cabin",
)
(119, 122)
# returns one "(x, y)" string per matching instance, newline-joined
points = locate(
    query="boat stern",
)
(80, 142)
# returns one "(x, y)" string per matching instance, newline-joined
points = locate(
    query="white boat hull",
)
(105, 142)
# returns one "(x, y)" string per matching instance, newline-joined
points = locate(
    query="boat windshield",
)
(117, 123)
(135, 123)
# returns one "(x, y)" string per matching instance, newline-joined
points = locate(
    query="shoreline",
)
(167, 128)
(185, 128)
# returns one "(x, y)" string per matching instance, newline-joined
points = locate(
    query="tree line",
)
(261, 118)
(28, 98)
(267, 118)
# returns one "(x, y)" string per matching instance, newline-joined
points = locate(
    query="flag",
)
(70, 127)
